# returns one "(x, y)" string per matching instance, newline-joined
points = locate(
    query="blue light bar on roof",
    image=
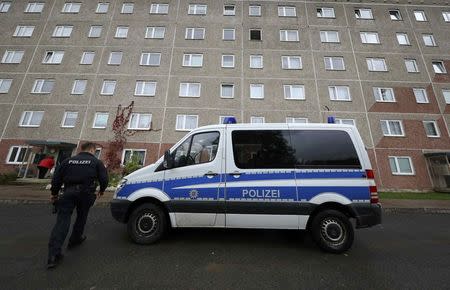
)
(229, 120)
(330, 120)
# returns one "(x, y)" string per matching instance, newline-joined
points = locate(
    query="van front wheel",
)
(332, 231)
(147, 224)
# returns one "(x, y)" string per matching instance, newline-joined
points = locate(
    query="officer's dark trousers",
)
(71, 199)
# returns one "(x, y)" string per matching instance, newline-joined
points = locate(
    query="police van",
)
(316, 177)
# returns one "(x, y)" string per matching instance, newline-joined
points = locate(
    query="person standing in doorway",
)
(45, 165)
(79, 174)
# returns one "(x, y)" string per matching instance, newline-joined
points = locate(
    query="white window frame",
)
(254, 56)
(4, 6)
(423, 93)
(188, 59)
(398, 172)
(367, 35)
(325, 36)
(182, 126)
(190, 33)
(371, 66)
(62, 31)
(222, 90)
(5, 85)
(223, 63)
(333, 92)
(97, 114)
(413, 65)
(256, 13)
(143, 84)
(159, 8)
(405, 37)
(77, 83)
(141, 62)
(125, 10)
(229, 12)
(19, 150)
(252, 96)
(446, 16)
(151, 32)
(39, 85)
(330, 60)
(63, 122)
(253, 120)
(324, 12)
(53, 57)
(139, 115)
(250, 34)
(438, 67)
(110, 58)
(24, 31)
(108, 82)
(71, 7)
(13, 56)
(95, 31)
(197, 9)
(84, 55)
(395, 18)
(420, 16)
(377, 91)
(122, 162)
(283, 11)
(188, 85)
(428, 40)
(389, 132)
(120, 32)
(100, 8)
(284, 35)
(359, 14)
(288, 60)
(34, 7)
(229, 29)
(28, 124)
(345, 121)
(436, 128)
(296, 120)
(290, 88)
(446, 95)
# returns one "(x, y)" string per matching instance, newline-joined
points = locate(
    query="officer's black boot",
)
(53, 261)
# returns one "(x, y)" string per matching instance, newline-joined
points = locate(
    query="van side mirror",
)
(168, 162)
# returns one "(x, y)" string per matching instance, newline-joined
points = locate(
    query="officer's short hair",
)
(87, 146)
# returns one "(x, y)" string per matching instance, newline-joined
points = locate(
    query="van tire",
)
(332, 231)
(147, 224)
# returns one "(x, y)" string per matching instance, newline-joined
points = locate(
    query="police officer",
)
(79, 175)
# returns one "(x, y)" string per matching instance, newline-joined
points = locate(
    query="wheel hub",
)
(332, 230)
(147, 223)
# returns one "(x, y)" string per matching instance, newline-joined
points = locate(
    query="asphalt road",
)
(407, 251)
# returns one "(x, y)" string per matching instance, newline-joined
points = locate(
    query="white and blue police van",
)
(315, 177)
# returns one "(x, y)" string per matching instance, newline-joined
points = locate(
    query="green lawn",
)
(415, 195)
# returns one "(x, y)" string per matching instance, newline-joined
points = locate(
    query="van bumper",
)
(366, 215)
(119, 209)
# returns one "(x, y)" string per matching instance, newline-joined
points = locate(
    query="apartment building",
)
(382, 66)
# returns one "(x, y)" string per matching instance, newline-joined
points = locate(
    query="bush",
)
(6, 178)
(114, 178)
(132, 165)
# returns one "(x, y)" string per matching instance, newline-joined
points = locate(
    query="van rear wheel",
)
(332, 231)
(147, 224)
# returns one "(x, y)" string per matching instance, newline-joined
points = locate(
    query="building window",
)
(150, 58)
(411, 66)
(197, 9)
(334, 63)
(446, 94)
(193, 60)
(140, 121)
(369, 37)
(62, 31)
(256, 91)
(291, 62)
(254, 10)
(5, 85)
(53, 57)
(402, 38)
(421, 95)
(159, 9)
(121, 32)
(384, 95)
(13, 56)
(228, 60)
(428, 40)
(42, 86)
(31, 118)
(255, 34)
(69, 119)
(222, 118)
(294, 92)
(34, 7)
(228, 34)
(295, 120)
(87, 57)
(329, 36)
(345, 121)
(401, 165)
(145, 88)
(227, 91)
(23, 31)
(136, 154)
(438, 67)
(127, 8)
(190, 90)
(186, 122)
(95, 31)
(339, 93)
(256, 61)
(287, 11)
(4, 6)
(79, 86)
(289, 35)
(325, 12)
(363, 13)
(108, 87)
(229, 10)
(115, 58)
(100, 120)
(71, 7)
(420, 16)
(395, 14)
(194, 33)
(446, 16)
(16, 155)
(392, 128)
(257, 120)
(155, 32)
(431, 129)
(376, 64)
(102, 8)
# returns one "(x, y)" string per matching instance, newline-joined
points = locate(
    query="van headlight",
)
(120, 185)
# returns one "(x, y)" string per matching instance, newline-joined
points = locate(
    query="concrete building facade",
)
(380, 65)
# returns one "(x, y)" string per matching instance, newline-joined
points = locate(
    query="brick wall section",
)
(443, 78)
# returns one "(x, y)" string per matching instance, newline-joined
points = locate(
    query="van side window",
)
(262, 149)
(200, 148)
(324, 149)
